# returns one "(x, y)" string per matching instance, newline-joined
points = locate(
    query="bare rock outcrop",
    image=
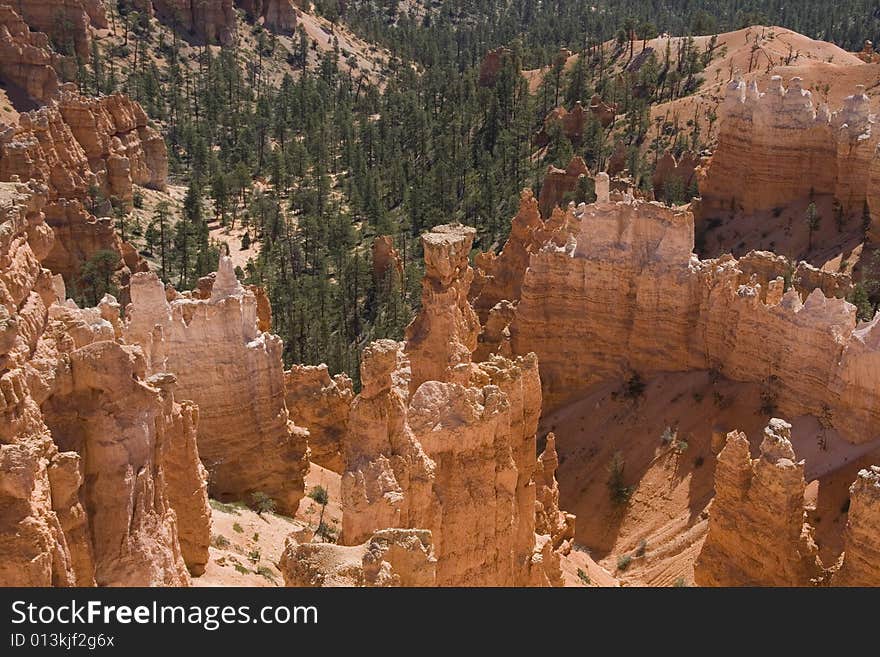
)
(441, 338)
(491, 65)
(775, 147)
(627, 294)
(277, 15)
(560, 182)
(210, 21)
(861, 560)
(85, 440)
(388, 478)
(321, 404)
(74, 145)
(234, 374)
(390, 557)
(757, 535)
(549, 518)
(672, 176)
(25, 57)
(67, 22)
(387, 265)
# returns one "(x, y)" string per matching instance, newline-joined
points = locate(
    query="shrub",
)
(219, 541)
(262, 503)
(237, 528)
(584, 577)
(137, 199)
(623, 562)
(254, 556)
(619, 491)
(680, 583)
(634, 386)
(698, 462)
(642, 548)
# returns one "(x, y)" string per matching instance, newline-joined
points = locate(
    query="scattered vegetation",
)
(262, 503)
(623, 562)
(320, 496)
(237, 528)
(220, 542)
(585, 579)
(617, 488)
(634, 386)
(234, 508)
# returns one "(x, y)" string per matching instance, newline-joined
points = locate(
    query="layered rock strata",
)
(234, 373)
(26, 59)
(320, 403)
(616, 289)
(861, 556)
(775, 147)
(67, 22)
(86, 440)
(757, 535)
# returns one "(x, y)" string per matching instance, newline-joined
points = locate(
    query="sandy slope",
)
(670, 489)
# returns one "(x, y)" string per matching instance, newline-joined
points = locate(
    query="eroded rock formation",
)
(75, 145)
(757, 535)
(68, 22)
(625, 293)
(387, 265)
(278, 15)
(861, 559)
(234, 374)
(390, 557)
(560, 182)
(673, 177)
(211, 21)
(460, 458)
(775, 147)
(320, 403)
(441, 338)
(388, 478)
(85, 439)
(25, 57)
(491, 65)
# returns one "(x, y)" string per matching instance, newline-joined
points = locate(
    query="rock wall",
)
(320, 403)
(775, 147)
(73, 145)
(861, 557)
(67, 22)
(559, 182)
(757, 535)
(618, 290)
(85, 439)
(235, 375)
(388, 478)
(209, 21)
(676, 171)
(278, 15)
(25, 57)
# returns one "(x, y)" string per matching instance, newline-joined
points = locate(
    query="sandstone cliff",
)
(560, 182)
(85, 439)
(68, 22)
(73, 145)
(210, 21)
(775, 147)
(235, 375)
(626, 294)
(320, 403)
(861, 560)
(25, 57)
(757, 535)
(278, 15)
